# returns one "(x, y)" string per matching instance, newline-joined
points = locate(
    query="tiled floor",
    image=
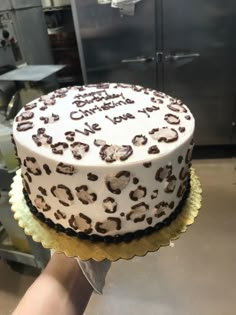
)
(12, 287)
(195, 277)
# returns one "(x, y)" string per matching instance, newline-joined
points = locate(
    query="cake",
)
(106, 161)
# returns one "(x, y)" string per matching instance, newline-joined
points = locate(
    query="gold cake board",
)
(84, 249)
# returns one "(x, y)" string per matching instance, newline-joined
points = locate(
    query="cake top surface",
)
(103, 124)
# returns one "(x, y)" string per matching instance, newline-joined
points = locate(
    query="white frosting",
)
(115, 114)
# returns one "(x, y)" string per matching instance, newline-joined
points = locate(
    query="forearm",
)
(60, 289)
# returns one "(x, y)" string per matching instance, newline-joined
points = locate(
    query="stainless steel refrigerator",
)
(184, 48)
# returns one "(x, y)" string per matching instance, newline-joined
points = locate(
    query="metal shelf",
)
(72, 48)
(16, 256)
(9, 252)
(38, 258)
(61, 8)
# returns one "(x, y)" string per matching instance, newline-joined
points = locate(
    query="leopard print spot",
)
(110, 205)
(182, 188)
(177, 107)
(99, 143)
(41, 204)
(63, 194)
(180, 159)
(138, 212)
(32, 166)
(59, 147)
(138, 193)
(135, 180)
(112, 153)
(189, 153)
(184, 172)
(24, 126)
(26, 186)
(161, 209)
(149, 220)
(65, 169)
(25, 116)
(154, 194)
(164, 134)
(92, 177)
(59, 215)
(170, 184)
(42, 190)
(85, 195)
(73, 223)
(117, 183)
(139, 140)
(84, 223)
(110, 225)
(172, 119)
(163, 172)
(28, 177)
(41, 138)
(78, 149)
(50, 119)
(30, 106)
(147, 164)
(47, 169)
(172, 205)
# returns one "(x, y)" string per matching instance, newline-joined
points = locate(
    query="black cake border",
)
(127, 237)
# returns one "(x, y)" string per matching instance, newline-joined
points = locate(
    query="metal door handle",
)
(181, 56)
(138, 60)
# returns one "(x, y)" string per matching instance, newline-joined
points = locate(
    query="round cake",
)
(105, 161)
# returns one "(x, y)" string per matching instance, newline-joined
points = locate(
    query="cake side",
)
(110, 174)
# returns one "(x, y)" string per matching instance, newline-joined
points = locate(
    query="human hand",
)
(95, 272)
